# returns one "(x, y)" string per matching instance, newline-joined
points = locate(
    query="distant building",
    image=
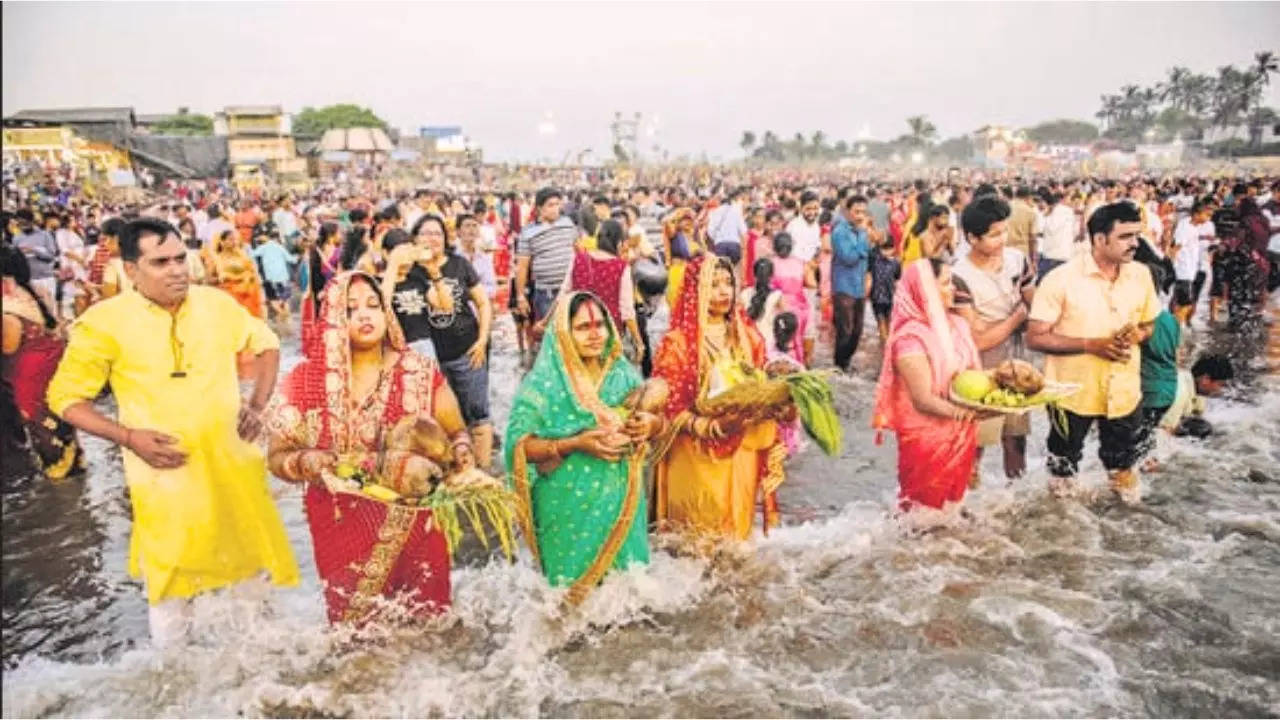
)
(100, 136)
(998, 146)
(256, 134)
(440, 143)
(1214, 135)
(106, 124)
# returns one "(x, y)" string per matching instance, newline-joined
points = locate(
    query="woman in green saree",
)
(576, 444)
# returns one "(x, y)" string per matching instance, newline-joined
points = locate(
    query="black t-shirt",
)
(452, 333)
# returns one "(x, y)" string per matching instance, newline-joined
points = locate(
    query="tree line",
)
(1186, 103)
(1183, 105)
(920, 138)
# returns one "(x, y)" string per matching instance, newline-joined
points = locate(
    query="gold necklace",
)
(716, 338)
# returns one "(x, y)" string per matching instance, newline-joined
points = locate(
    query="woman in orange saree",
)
(928, 344)
(716, 466)
(358, 382)
(229, 267)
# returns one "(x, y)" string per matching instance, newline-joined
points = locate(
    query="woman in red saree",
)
(928, 344)
(32, 349)
(358, 381)
(716, 466)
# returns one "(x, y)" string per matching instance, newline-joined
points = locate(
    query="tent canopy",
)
(356, 140)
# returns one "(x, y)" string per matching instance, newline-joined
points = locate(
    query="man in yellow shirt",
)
(1087, 316)
(203, 516)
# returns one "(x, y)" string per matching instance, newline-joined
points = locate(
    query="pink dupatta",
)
(935, 454)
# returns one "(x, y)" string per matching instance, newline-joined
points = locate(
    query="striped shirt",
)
(550, 251)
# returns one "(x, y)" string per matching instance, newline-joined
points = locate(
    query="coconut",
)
(972, 385)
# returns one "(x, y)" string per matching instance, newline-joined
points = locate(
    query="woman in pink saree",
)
(928, 344)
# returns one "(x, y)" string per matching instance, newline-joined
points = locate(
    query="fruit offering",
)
(972, 385)
(1003, 397)
(1019, 376)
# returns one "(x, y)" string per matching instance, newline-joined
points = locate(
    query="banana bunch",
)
(353, 478)
(815, 403)
(1003, 397)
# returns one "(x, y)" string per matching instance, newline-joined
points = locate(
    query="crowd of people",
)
(173, 303)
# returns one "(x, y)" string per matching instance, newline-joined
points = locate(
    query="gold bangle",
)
(289, 466)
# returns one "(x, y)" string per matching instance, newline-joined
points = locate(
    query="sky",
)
(699, 73)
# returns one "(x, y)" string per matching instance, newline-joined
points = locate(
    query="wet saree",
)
(935, 454)
(587, 516)
(364, 549)
(707, 485)
(28, 371)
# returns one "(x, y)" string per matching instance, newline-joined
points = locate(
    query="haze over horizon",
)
(701, 73)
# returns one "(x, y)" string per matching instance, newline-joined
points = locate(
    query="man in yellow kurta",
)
(203, 516)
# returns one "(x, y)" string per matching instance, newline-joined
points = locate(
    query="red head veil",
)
(683, 360)
(323, 381)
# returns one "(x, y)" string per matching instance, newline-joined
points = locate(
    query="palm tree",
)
(1107, 111)
(1252, 84)
(1265, 63)
(1110, 111)
(1259, 119)
(1130, 97)
(1146, 106)
(748, 141)
(769, 147)
(1227, 94)
(922, 131)
(819, 140)
(1199, 95)
(799, 147)
(1174, 90)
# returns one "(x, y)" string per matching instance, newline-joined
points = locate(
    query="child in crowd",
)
(884, 270)
(780, 360)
